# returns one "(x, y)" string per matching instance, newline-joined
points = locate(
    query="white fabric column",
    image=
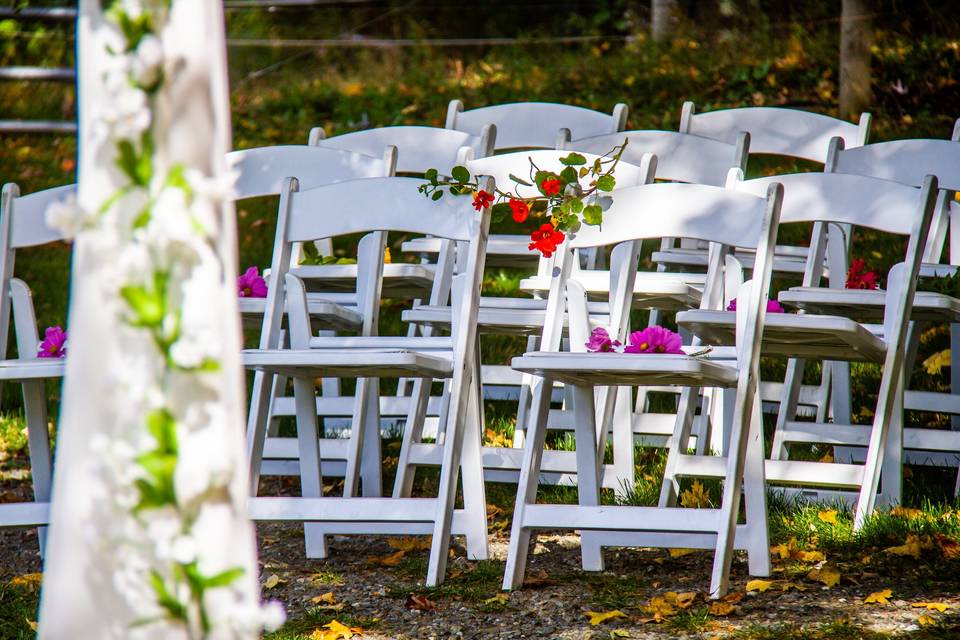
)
(149, 495)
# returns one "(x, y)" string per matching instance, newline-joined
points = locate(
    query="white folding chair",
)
(531, 125)
(23, 224)
(377, 205)
(674, 210)
(853, 200)
(906, 162)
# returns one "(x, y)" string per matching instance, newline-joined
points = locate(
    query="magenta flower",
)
(600, 341)
(654, 339)
(772, 306)
(251, 285)
(54, 343)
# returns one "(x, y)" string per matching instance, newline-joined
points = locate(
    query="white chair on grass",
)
(23, 224)
(906, 162)
(852, 200)
(377, 205)
(673, 210)
(261, 172)
(530, 125)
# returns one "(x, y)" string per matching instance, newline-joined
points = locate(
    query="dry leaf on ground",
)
(420, 603)
(829, 516)
(878, 597)
(542, 579)
(932, 606)
(721, 608)
(759, 585)
(335, 630)
(695, 497)
(272, 581)
(410, 543)
(825, 574)
(912, 547)
(391, 560)
(680, 600)
(598, 617)
(925, 620)
(30, 580)
(679, 553)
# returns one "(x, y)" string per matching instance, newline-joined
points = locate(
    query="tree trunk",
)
(663, 18)
(856, 38)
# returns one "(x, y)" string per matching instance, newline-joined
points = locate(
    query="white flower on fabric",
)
(188, 352)
(272, 615)
(146, 62)
(184, 549)
(67, 216)
(127, 113)
(204, 463)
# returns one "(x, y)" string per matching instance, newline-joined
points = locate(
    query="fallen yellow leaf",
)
(825, 574)
(679, 553)
(680, 600)
(32, 624)
(336, 630)
(31, 580)
(695, 497)
(272, 581)
(932, 606)
(925, 620)
(597, 617)
(391, 560)
(812, 556)
(829, 516)
(387, 257)
(409, 543)
(759, 585)
(910, 548)
(721, 608)
(327, 597)
(935, 363)
(878, 597)
(500, 598)
(906, 512)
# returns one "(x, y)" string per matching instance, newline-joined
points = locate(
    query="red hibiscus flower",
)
(481, 200)
(545, 239)
(857, 278)
(551, 187)
(520, 209)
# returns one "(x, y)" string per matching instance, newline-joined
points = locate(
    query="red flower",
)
(857, 278)
(551, 187)
(545, 239)
(520, 209)
(481, 200)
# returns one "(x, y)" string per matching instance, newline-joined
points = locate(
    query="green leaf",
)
(223, 578)
(436, 195)
(164, 598)
(593, 214)
(147, 306)
(606, 182)
(160, 468)
(177, 180)
(569, 175)
(163, 428)
(431, 175)
(460, 174)
(576, 205)
(573, 159)
(127, 161)
(583, 172)
(519, 180)
(310, 250)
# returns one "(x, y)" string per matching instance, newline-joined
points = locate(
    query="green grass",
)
(18, 607)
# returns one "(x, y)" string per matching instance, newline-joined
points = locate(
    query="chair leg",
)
(527, 484)
(840, 391)
(308, 447)
(273, 422)
(877, 448)
(412, 434)
(371, 466)
(41, 462)
(676, 446)
(624, 462)
(787, 411)
(523, 404)
(257, 419)
(755, 498)
(358, 451)
(891, 474)
(589, 464)
(471, 470)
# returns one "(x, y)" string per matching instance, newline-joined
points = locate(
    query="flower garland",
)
(169, 488)
(568, 202)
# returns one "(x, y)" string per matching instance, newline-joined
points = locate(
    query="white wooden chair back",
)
(681, 157)
(418, 148)
(262, 170)
(909, 162)
(534, 124)
(23, 223)
(776, 130)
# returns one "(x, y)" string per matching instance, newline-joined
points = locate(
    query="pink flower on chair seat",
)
(600, 341)
(54, 343)
(655, 339)
(857, 278)
(772, 306)
(251, 285)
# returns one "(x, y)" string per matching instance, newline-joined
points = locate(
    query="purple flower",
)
(600, 341)
(654, 339)
(772, 306)
(251, 285)
(54, 343)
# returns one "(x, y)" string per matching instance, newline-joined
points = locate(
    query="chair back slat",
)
(29, 223)
(534, 124)
(681, 157)
(263, 169)
(677, 210)
(418, 148)
(775, 130)
(843, 198)
(905, 161)
(398, 206)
